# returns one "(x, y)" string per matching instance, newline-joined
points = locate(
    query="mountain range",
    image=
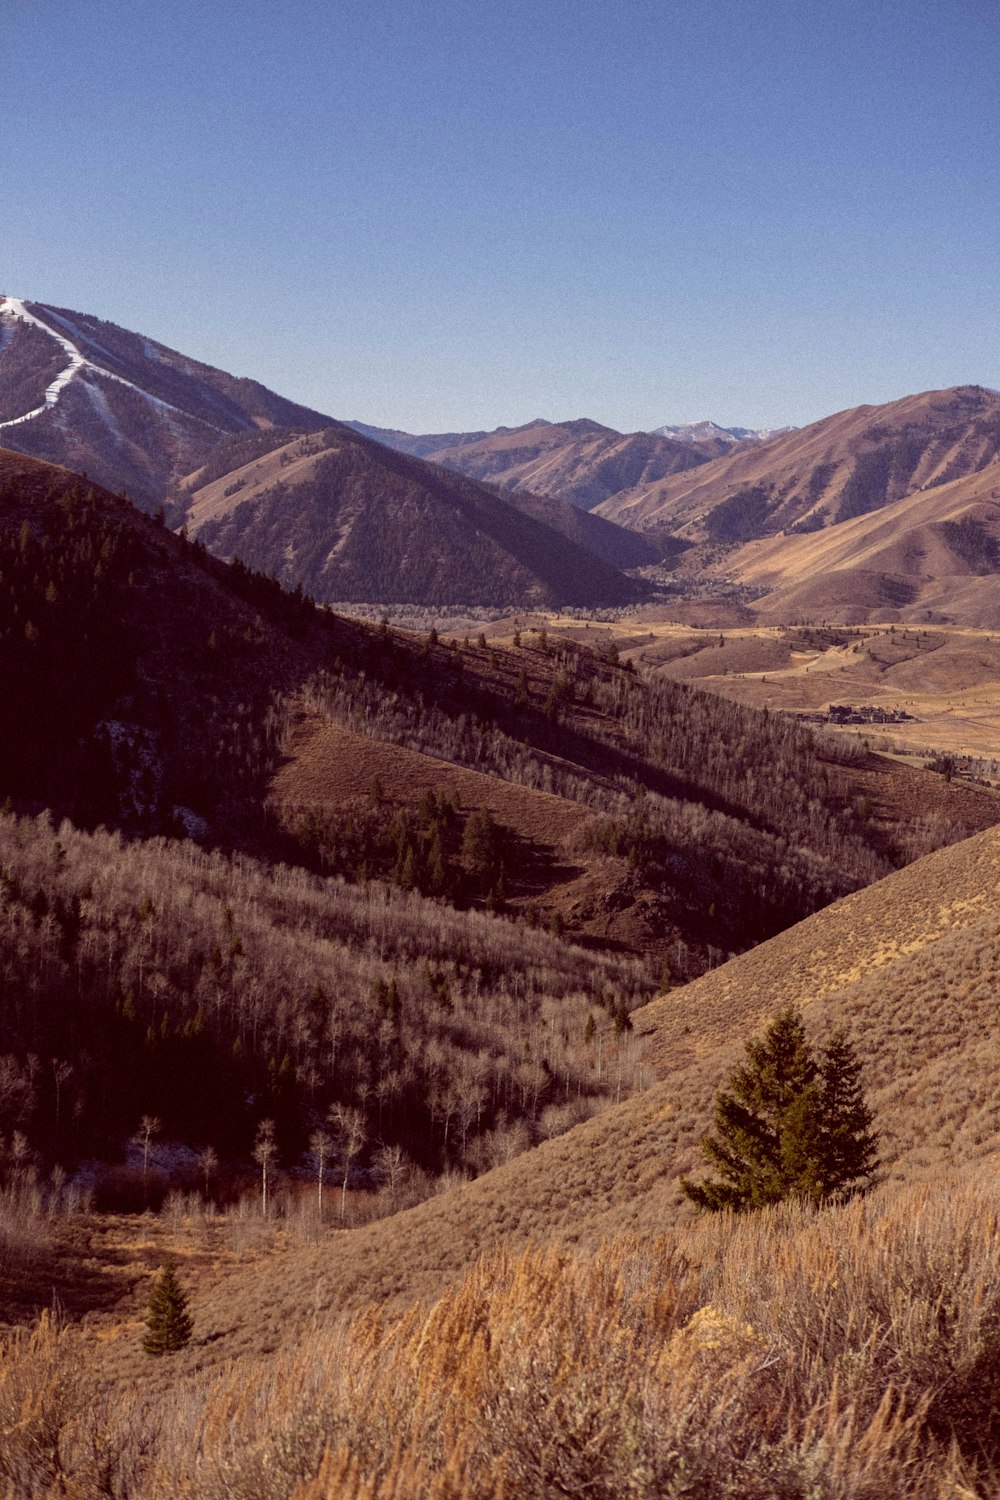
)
(580, 461)
(723, 437)
(876, 512)
(843, 466)
(359, 522)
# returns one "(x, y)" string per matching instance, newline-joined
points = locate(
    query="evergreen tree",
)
(168, 1320)
(787, 1127)
(849, 1144)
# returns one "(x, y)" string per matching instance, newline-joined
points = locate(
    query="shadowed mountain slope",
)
(349, 519)
(580, 461)
(843, 466)
(131, 413)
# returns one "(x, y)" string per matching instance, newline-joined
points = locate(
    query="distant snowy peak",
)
(711, 432)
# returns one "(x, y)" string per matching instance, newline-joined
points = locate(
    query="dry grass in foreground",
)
(852, 1353)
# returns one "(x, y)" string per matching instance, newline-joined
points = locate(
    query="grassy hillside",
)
(907, 965)
(843, 1353)
(846, 465)
(931, 557)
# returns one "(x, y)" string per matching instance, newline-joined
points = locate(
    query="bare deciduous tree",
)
(349, 1125)
(209, 1163)
(265, 1154)
(149, 1128)
(392, 1167)
(321, 1146)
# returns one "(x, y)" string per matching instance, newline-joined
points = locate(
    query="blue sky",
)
(446, 214)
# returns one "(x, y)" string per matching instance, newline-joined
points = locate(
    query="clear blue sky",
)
(440, 214)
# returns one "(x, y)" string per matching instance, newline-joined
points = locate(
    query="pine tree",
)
(168, 1320)
(788, 1127)
(849, 1144)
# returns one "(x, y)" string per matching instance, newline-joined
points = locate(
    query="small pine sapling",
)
(168, 1322)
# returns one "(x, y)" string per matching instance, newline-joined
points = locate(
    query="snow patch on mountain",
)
(705, 432)
(13, 308)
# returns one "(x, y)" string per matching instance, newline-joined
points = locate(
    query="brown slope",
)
(420, 445)
(136, 415)
(349, 519)
(614, 544)
(580, 461)
(934, 555)
(843, 466)
(908, 965)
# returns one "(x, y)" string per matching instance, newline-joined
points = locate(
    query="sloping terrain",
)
(931, 557)
(166, 689)
(614, 544)
(580, 461)
(131, 413)
(420, 445)
(843, 466)
(908, 965)
(349, 519)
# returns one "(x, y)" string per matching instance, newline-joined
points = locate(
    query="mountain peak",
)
(135, 414)
(708, 431)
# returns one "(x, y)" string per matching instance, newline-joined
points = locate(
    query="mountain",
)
(139, 417)
(931, 557)
(349, 519)
(129, 412)
(580, 461)
(419, 445)
(722, 438)
(843, 466)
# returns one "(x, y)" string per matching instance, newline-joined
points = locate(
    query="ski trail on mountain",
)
(14, 307)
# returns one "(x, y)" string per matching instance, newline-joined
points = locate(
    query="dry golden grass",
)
(909, 965)
(848, 1355)
(852, 1353)
(946, 677)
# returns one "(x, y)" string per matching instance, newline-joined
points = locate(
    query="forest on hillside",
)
(214, 993)
(342, 957)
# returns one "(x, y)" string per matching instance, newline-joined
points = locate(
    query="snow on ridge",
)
(14, 307)
(699, 432)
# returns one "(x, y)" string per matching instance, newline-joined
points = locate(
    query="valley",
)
(933, 691)
(395, 858)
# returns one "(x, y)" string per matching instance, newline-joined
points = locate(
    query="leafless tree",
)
(349, 1126)
(265, 1154)
(149, 1128)
(321, 1146)
(209, 1163)
(391, 1165)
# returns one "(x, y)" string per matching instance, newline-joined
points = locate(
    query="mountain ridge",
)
(844, 465)
(132, 413)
